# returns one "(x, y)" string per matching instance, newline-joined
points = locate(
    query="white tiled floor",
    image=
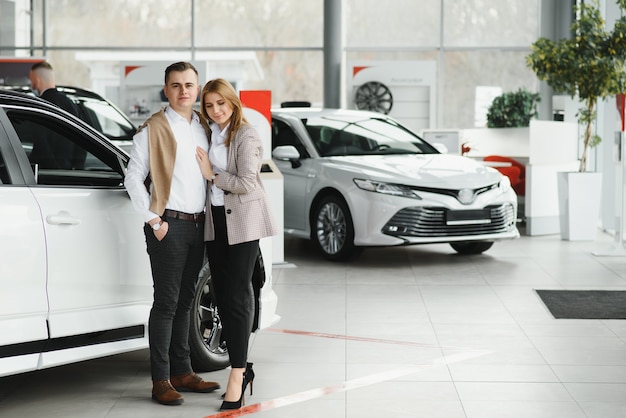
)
(396, 332)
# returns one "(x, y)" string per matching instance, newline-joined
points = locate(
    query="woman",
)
(238, 215)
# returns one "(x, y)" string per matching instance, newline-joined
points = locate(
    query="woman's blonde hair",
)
(227, 91)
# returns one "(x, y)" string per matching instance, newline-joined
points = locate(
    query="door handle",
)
(62, 219)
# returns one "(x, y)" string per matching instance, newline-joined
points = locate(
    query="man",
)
(173, 209)
(54, 152)
(41, 78)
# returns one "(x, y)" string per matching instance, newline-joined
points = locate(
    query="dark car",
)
(103, 115)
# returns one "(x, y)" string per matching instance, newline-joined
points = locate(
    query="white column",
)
(607, 124)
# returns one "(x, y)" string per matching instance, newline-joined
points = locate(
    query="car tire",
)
(332, 229)
(469, 248)
(208, 349)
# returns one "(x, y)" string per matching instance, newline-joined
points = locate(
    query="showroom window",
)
(266, 24)
(490, 23)
(129, 23)
(399, 23)
(266, 43)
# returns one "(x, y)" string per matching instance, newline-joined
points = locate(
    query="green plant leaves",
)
(591, 65)
(513, 109)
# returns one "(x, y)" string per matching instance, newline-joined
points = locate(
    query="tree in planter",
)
(513, 109)
(589, 66)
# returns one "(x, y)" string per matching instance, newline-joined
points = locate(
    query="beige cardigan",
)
(162, 149)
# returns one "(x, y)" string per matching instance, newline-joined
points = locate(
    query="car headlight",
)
(505, 184)
(386, 188)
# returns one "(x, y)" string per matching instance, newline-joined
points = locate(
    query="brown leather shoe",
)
(165, 394)
(191, 382)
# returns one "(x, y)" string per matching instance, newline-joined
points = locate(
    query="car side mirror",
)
(287, 153)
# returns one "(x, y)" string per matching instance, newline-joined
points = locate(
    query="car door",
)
(296, 176)
(23, 302)
(98, 271)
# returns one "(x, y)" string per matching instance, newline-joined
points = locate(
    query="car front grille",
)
(441, 222)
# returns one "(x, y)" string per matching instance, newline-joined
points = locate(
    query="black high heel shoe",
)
(227, 405)
(248, 377)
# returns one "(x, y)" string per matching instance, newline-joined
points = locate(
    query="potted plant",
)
(513, 109)
(589, 66)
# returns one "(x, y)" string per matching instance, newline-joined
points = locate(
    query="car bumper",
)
(381, 220)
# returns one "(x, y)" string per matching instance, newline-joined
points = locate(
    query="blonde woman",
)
(238, 216)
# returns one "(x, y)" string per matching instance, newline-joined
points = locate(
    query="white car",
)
(356, 178)
(74, 271)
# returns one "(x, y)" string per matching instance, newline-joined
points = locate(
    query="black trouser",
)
(232, 267)
(176, 262)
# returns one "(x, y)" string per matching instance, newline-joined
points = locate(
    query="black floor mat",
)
(585, 304)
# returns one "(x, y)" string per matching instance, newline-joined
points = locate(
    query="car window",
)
(106, 119)
(334, 136)
(330, 141)
(61, 155)
(101, 114)
(282, 134)
(386, 132)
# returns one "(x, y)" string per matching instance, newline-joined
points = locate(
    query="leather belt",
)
(193, 217)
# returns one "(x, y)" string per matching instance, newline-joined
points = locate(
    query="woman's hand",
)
(205, 164)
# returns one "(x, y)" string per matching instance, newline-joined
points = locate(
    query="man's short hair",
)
(179, 66)
(41, 64)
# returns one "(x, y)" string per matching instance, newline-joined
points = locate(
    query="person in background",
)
(50, 152)
(164, 152)
(41, 78)
(238, 216)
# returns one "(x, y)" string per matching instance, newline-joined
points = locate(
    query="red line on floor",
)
(364, 339)
(347, 337)
(348, 385)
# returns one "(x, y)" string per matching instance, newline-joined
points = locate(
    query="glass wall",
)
(291, 75)
(464, 71)
(259, 24)
(278, 44)
(117, 23)
(490, 23)
(393, 23)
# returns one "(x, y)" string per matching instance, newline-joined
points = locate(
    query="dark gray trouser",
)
(232, 267)
(176, 262)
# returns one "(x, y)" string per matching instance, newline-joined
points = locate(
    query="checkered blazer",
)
(248, 213)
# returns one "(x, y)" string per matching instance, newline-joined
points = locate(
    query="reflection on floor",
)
(396, 332)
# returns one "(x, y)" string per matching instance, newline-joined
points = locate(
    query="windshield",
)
(106, 119)
(338, 135)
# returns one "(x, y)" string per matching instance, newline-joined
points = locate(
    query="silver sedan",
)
(355, 178)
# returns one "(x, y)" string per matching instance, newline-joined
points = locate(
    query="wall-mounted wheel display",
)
(374, 96)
